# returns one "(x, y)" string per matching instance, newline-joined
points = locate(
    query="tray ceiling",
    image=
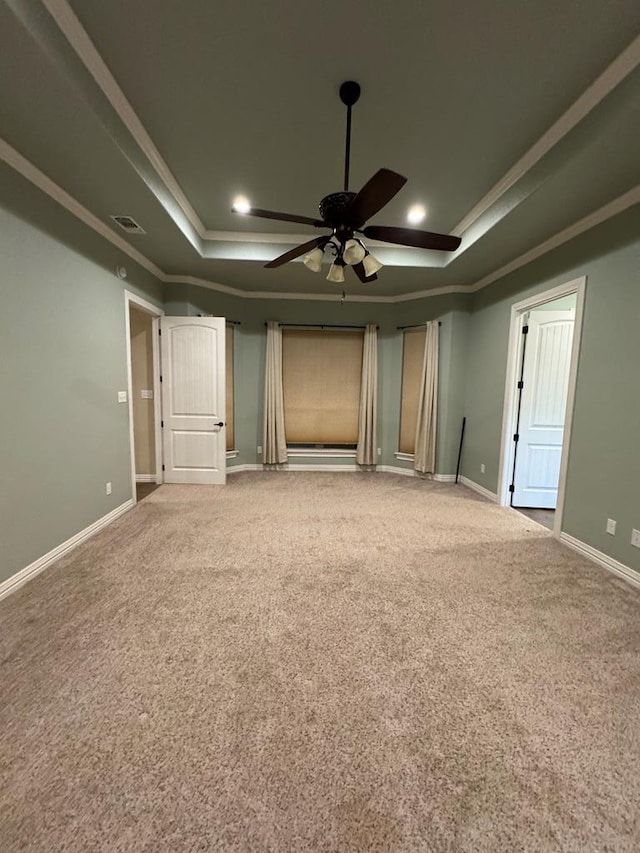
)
(512, 122)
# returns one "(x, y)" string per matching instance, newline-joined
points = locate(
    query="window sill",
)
(404, 457)
(232, 454)
(311, 452)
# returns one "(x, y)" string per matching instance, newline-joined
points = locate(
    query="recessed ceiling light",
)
(241, 204)
(416, 214)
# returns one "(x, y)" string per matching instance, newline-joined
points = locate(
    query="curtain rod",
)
(417, 326)
(230, 322)
(318, 326)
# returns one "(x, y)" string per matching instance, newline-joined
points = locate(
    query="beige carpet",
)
(320, 662)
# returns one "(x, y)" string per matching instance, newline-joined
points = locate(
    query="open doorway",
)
(144, 403)
(542, 364)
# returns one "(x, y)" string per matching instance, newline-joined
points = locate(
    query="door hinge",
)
(516, 436)
(161, 424)
(159, 330)
(525, 330)
(163, 467)
(512, 488)
(520, 385)
(160, 377)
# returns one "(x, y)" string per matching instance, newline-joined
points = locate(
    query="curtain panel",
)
(367, 440)
(274, 443)
(425, 450)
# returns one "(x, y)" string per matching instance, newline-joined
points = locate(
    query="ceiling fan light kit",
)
(346, 213)
(354, 252)
(371, 265)
(313, 261)
(336, 273)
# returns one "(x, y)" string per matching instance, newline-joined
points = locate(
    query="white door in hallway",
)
(193, 399)
(542, 414)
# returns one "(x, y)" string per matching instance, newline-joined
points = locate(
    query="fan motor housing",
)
(333, 206)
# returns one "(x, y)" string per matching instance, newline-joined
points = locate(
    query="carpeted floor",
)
(320, 662)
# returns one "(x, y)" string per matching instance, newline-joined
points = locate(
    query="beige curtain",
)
(366, 450)
(274, 444)
(425, 452)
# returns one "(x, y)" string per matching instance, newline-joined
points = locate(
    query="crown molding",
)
(269, 294)
(602, 86)
(24, 167)
(607, 211)
(78, 39)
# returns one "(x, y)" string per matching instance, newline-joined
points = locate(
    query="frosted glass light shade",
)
(371, 265)
(313, 261)
(353, 252)
(336, 273)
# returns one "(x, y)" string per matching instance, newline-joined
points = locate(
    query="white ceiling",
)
(514, 123)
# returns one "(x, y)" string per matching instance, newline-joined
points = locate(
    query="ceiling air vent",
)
(128, 224)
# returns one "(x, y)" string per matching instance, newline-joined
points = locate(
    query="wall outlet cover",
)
(108, 488)
(122, 396)
(611, 526)
(482, 468)
(635, 538)
(259, 449)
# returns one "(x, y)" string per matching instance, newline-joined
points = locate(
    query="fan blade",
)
(295, 253)
(413, 237)
(283, 217)
(360, 271)
(373, 196)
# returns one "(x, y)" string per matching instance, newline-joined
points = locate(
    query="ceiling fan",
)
(346, 213)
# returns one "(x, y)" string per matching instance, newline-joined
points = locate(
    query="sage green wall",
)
(250, 349)
(603, 478)
(62, 362)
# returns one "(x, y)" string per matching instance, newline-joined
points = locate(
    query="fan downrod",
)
(349, 93)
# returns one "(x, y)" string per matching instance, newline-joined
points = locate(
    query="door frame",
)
(514, 357)
(131, 299)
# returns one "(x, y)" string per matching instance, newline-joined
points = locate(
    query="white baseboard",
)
(625, 572)
(39, 565)
(334, 469)
(410, 472)
(470, 484)
(393, 469)
(145, 478)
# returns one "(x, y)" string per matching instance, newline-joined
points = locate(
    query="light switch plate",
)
(635, 538)
(146, 395)
(611, 526)
(122, 396)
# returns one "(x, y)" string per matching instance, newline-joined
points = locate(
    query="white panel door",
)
(193, 399)
(544, 399)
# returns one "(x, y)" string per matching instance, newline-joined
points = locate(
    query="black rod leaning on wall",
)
(417, 326)
(318, 326)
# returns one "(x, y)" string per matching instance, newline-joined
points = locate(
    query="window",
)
(231, 439)
(321, 374)
(412, 358)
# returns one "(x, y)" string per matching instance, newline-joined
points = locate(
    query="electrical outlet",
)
(379, 451)
(259, 449)
(611, 526)
(482, 468)
(635, 538)
(108, 488)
